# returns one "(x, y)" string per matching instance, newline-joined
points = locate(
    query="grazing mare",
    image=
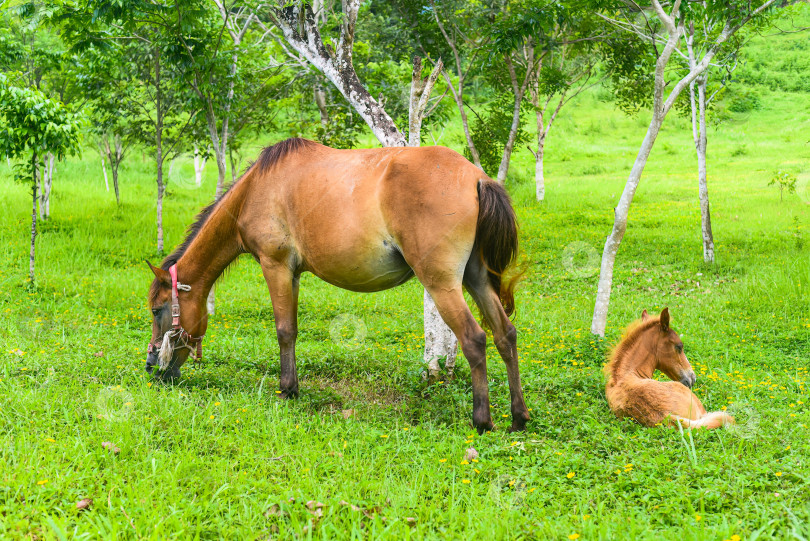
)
(363, 220)
(650, 344)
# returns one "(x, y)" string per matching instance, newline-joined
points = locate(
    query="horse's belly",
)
(363, 270)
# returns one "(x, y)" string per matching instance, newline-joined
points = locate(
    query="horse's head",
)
(170, 344)
(668, 351)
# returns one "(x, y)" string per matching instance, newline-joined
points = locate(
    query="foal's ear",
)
(162, 275)
(665, 319)
(644, 315)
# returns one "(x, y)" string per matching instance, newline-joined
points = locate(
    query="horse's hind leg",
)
(503, 332)
(449, 300)
(283, 286)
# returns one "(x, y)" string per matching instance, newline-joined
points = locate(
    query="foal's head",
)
(667, 349)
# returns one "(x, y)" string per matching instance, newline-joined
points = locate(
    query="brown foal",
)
(363, 220)
(649, 344)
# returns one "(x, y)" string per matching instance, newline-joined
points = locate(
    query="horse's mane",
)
(630, 336)
(268, 157)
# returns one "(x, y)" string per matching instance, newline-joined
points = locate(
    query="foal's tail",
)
(715, 419)
(496, 239)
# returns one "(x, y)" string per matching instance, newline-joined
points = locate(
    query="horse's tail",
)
(714, 419)
(496, 239)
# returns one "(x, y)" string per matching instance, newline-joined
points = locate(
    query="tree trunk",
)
(703, 189)
(45, 191)
(159, 151)
(619, 226)
(660, 108)
(458, 97)
(160, 190)
(519, 91)
(539, 176)
(458, 94)
(32, 257)
(503, 168)
(199, 165)
(300, 29)
(104, 170)
(320, 101)
(234, 164)
(542, 131)
(119, 155)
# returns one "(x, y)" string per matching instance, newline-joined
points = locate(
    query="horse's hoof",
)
(483, 426)
(519, 422)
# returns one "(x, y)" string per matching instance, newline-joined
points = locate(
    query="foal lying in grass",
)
(649, 344)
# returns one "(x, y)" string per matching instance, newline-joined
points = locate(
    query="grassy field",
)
(370, 451)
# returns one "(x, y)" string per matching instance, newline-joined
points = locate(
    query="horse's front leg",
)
(283, 286)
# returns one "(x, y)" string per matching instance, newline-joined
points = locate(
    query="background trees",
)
(665, 29)
(203, 77)
(32, 126)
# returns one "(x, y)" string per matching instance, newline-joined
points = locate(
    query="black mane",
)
(268, 157)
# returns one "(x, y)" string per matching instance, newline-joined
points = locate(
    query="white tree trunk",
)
(619, 226)
(320, 101)
(32, 255)
(47, 183)
(119, 155)
(440, 342)
(519, 91)
(703, 188)
(104, 170)
(299, 25)
(199, 164)
(699, 136)
(539, 175)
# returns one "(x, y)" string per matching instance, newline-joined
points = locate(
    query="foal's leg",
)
(504, 334)
(283, 286)
(455, 312)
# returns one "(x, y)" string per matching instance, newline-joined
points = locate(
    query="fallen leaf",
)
(347, 413)
(471, 454)
(84, 504)
(110, 447)
(273, 511)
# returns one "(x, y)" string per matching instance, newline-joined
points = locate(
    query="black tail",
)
(496, 238)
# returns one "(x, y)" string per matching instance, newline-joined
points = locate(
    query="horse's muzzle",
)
(169, 374)
(689, 378)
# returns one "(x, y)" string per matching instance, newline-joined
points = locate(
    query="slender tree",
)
(661, 28)
(33, 125)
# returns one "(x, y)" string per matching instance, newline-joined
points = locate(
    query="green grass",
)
(219, 455)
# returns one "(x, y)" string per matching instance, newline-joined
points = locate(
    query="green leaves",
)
(33, 123)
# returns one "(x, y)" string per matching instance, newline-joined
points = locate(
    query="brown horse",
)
(363, 220)
(649, 344)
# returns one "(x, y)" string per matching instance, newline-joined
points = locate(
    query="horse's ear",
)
(162, 275)
(644, 315)
(665, 319)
